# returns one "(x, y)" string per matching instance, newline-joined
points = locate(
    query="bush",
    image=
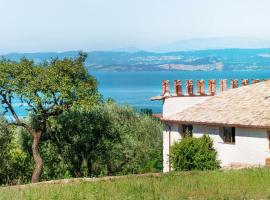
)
(140, 147)
(14, 163)
(194, 154)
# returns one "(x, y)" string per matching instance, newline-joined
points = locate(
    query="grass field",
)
(231, 184)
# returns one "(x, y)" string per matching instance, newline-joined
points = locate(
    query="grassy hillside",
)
(232, 184)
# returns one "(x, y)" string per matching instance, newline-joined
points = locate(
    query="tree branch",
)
(18, 122)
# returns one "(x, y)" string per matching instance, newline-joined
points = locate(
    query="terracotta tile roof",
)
(247, 106)
(159, 115)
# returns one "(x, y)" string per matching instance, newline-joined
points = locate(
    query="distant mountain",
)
(213, 43)
(128, 50)
(206, 60)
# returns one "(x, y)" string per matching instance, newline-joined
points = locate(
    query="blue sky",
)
(61, 25)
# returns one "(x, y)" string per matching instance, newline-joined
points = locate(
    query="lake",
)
(136, 88)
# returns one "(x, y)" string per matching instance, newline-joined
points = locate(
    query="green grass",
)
(232, 184)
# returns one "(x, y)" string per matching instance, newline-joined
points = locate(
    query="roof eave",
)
(217, 124)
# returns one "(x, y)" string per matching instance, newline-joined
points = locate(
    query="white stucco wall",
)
(251, 145)
(176, 104)
(175, 136)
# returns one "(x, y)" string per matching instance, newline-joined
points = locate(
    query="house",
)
(237, 119)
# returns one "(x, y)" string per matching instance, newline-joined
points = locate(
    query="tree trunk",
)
(78, 160)
(37, 158)
(89, 168)
(109, 169)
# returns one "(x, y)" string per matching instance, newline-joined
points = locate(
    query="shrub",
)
(140, 146)
(14, 163)
(194, 154)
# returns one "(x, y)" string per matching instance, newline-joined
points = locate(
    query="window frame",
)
(268, 137)
(231, 135)
(182, 129)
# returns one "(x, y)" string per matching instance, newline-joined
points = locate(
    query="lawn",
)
(231, 184)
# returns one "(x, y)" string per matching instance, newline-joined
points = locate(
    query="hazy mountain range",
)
(196, 54)
(213, 43)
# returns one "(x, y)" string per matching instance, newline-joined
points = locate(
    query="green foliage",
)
(105, 140)
(140, 148)
(146, 111)
(194, 154)
(14, 163)
(80, 134)
(55, 166)
(54, 163)
(47, 89)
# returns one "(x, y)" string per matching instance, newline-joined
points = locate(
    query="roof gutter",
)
(216, 124)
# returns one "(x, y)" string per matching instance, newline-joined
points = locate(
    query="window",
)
(186, 130)
(268, 136)
(229, 135)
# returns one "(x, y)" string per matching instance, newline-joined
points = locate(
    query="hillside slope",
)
(232, 184)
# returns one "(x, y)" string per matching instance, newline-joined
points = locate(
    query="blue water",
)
(135, 88)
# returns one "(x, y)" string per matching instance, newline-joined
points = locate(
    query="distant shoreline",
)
(202, 60)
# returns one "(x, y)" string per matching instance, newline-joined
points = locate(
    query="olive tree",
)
(47, 90)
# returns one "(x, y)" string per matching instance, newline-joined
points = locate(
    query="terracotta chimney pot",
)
(200, 87)
(255, 81)
(178, 88)
(212, 86)
(234, 84)
(223, 85)
(165, 88)
(245, 82)
(189, 87)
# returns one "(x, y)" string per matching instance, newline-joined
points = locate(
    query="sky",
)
(63, 25)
